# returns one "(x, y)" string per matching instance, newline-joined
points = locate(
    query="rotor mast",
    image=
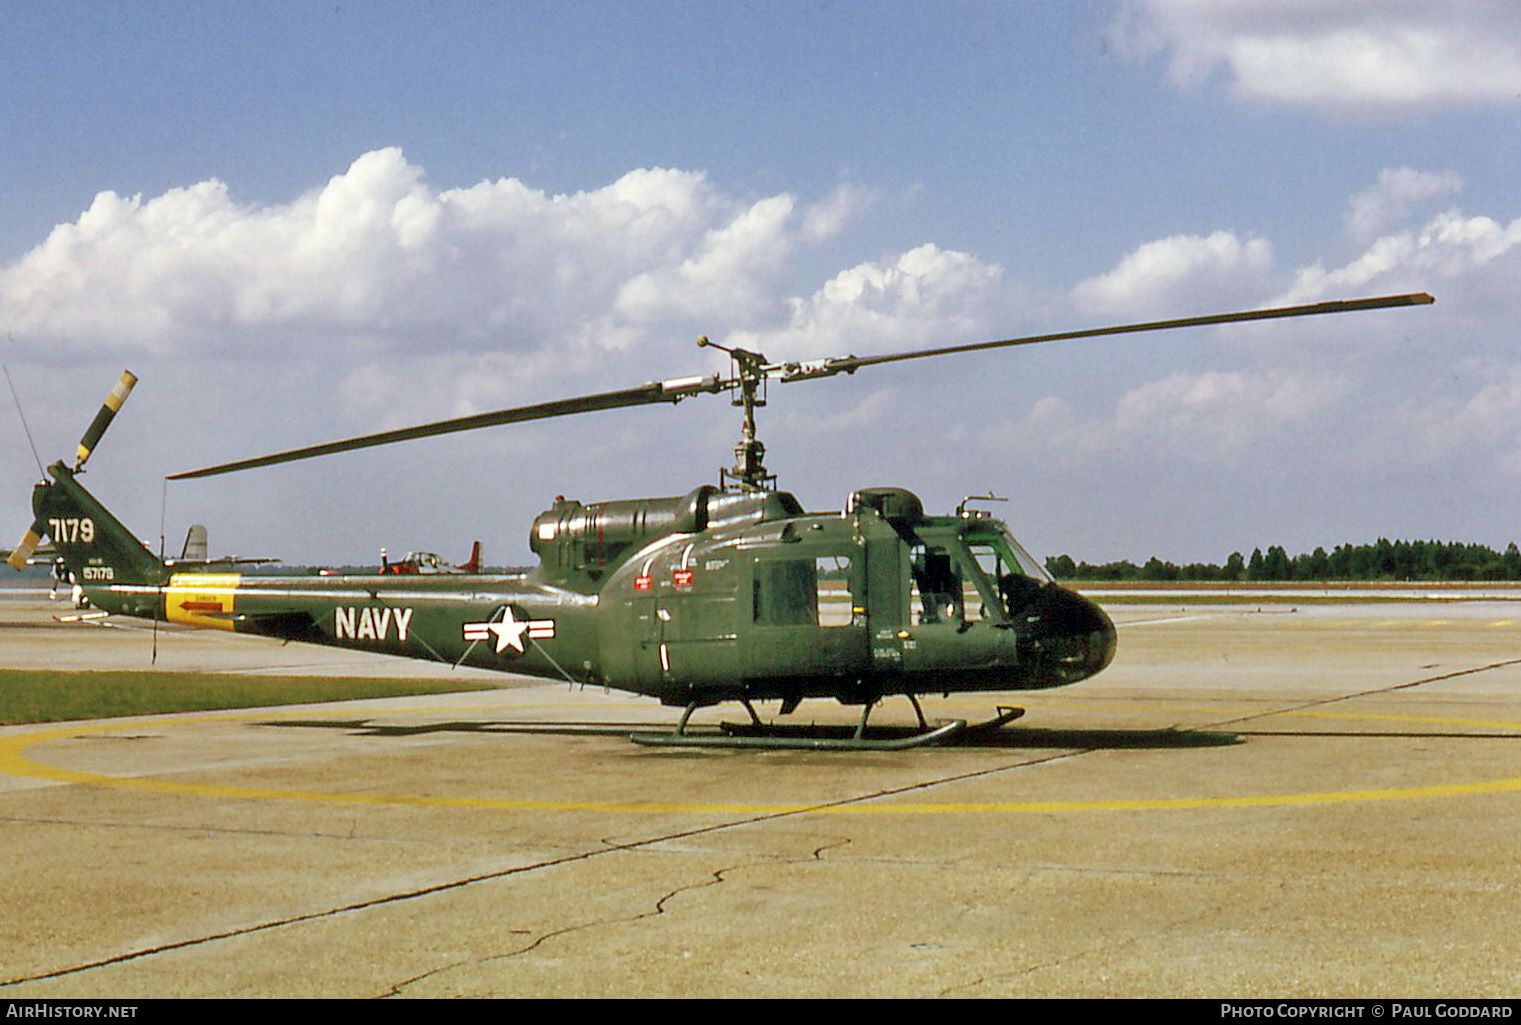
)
(749, 389)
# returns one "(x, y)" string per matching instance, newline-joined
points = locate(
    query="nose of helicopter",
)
(1069, 637)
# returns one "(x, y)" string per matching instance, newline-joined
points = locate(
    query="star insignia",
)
(508, 631)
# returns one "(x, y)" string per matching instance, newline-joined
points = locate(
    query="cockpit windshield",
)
(998, 552)
(981, 573)
(1013, 572)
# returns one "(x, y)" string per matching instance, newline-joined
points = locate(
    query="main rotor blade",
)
(679, 388)
(850, 364)
(655, 391)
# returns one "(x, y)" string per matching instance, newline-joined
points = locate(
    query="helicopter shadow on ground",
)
(1005, 737)
(1011, 737)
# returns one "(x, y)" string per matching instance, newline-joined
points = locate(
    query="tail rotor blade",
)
(103, 418)
(24, 551)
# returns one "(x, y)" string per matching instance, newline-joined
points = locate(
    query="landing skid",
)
(773, 737)
(1006, 714)
(757, 735)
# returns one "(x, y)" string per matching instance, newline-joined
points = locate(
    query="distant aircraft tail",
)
(472, 564)
(195, 544)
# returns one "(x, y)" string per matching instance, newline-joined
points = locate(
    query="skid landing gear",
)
(766, 736)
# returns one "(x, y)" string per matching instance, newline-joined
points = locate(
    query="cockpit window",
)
(938, 593)
(1004, 561)
(979, 573)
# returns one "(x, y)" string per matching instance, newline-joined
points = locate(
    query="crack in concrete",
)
(717, 876)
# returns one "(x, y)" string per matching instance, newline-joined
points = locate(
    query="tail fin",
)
(92, 543)
(472, 564)
(195, 544)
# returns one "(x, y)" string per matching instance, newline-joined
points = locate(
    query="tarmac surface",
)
(1321, 800)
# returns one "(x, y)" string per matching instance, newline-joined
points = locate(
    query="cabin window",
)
(836, 607)
(786, 593)
(803, 592)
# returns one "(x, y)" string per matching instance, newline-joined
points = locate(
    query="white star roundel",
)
(508, 631)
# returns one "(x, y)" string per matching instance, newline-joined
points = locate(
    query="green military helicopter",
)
(727, 593)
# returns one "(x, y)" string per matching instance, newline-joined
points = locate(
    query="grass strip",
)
(42, 695)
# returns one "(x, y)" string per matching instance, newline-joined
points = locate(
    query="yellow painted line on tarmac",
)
(1426, 720)
(15, 762)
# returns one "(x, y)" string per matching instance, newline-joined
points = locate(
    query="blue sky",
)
(299, 221)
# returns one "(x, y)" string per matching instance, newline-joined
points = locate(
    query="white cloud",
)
(1176, 273)
(733, 272)
(1053, 429)
(1217, 418)
(1484, 417)
(1227, 407)
(864, 413)
(826, 219)
(379, 261)
(924, 297)
(376, 300)
(1471, 254)
(1334, 53)
(1387, 203)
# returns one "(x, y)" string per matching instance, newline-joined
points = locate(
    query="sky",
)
(297, 222)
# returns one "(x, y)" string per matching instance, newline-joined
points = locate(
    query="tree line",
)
(1382, 560)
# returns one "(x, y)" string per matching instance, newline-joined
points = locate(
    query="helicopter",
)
(730, 592)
